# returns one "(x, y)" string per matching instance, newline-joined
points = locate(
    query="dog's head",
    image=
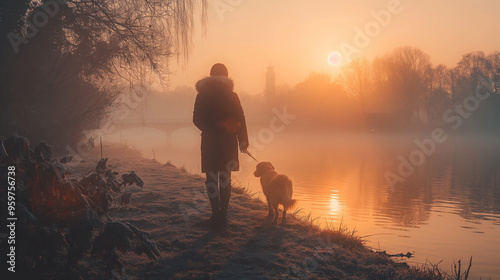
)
(262, 168)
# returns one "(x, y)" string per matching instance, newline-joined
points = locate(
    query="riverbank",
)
(173, 203)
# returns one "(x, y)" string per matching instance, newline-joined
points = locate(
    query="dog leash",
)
(250, 155)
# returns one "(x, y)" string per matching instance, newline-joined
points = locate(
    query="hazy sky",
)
(296, 36)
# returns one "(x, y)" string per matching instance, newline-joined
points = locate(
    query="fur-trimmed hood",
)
(214, 83)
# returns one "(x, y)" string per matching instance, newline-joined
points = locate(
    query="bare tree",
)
(125, 37)
(410, 66)
(474, 65)
(439, 95)
(356, 78)
(494, 59)
(82, 58)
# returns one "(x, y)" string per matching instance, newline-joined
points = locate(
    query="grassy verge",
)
(335, 236)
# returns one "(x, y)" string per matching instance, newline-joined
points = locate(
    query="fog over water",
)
(408, 158)
(384, 113)
(447, 209)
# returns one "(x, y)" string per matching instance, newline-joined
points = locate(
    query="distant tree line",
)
(64, 62)
(401, 90)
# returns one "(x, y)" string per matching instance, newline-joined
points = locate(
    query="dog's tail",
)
(289, 203)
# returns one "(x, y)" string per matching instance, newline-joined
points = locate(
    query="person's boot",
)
(214, 219)
(212, 187)
(225, 195)
(216, 211)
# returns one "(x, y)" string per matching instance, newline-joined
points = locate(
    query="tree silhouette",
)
(356, 78)
(410, 66)
(438, 99)
(65, 76)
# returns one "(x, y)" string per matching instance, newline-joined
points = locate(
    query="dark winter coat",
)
(219, 116)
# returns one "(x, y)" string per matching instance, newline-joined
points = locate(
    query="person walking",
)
(220, 117)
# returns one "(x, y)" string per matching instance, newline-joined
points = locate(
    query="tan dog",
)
(277, 188)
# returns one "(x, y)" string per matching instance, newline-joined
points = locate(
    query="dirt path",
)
(173, 203)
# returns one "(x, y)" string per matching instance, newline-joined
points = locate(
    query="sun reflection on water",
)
(335, 206)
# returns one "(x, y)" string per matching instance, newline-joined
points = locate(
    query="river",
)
(446, 209)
